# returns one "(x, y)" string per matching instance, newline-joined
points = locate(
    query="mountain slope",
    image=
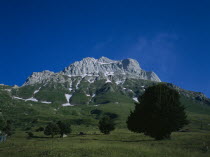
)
(74, 93)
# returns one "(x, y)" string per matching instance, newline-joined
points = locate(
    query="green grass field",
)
(28, 116)
(120, 143)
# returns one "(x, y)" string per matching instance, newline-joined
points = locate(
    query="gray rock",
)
(95, 69)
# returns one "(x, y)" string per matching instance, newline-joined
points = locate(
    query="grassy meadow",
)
(194, 141)
(120, 143)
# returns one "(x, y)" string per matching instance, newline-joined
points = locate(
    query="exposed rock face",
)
(94, 67)
(102, 68)
(44, 77)
(125, 76)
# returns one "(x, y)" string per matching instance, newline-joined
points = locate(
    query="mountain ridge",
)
(98, 68)
(93, 81)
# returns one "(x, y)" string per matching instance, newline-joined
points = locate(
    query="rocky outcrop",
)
(91, 68)
(94, 67)
(123, 74)
(44, 77)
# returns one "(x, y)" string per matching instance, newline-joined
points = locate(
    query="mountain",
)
(96, 69)
(89, 78)
(93, 81)
(84, 91)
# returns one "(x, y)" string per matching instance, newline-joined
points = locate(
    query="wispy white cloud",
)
(158, 52)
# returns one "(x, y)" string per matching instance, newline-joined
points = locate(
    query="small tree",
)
(106, 125)
(158, 114)
(30, 134)
(8, 128)
(64, 128)
(40, 129)
(51, 129)
(2, 123)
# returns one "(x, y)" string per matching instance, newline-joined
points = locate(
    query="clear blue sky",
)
(170, 37)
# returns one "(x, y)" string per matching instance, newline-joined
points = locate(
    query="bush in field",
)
(51, 129)
(2, 123)
(8, 128)
(64, 128)
(30, 134)
(106, 124)
(158, 114)
(40, 129)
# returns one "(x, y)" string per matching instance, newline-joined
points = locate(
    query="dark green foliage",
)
(158, 114)
(52, 92)
(52, 129)
(2, 123)
(111, 115)
(5, 98)
(8, 128)
(64, 128)
(109, 93)
(40, 129)
(25, 91)
(30, 134)
(31, 115)
(96, 111)
(5, 126)
(85, 121)
(99, 113)
(79, 98)
(27, 128)
(106, 124)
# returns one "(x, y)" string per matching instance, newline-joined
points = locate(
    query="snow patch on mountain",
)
(36, 91)
(29, 99)
(70, 87)
(8, 90)
(15, 97)
(119, 82)
(32, 99)
(68, 97)
(107, 81)
(78, 84)
(46, 102)
(135, 99)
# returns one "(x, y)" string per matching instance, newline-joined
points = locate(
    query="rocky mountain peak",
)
(88, 59)
(131, 65)
(37, 77)
(105, 60)
(101, 68)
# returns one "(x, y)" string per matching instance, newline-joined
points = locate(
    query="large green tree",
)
(159, 113)
(106, 124)
(64, 128)
(51, 129)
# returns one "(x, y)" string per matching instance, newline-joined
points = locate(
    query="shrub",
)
(64, 128)
(51, 129)
(40, 129)
(106, 124)
(30, 134)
